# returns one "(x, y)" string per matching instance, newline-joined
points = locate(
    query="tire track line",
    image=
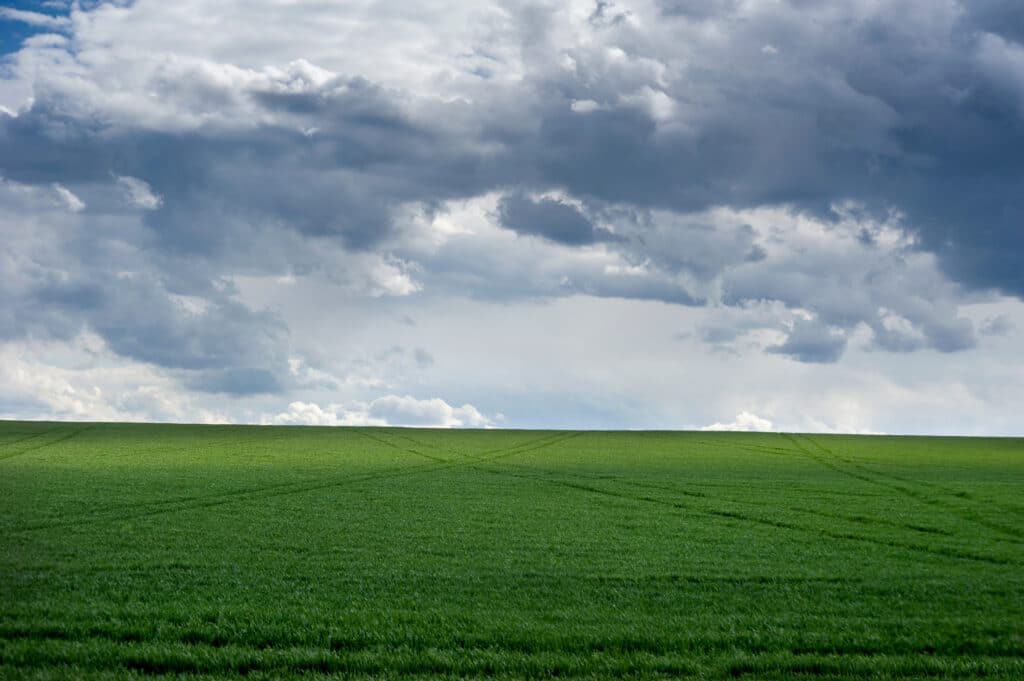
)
(203, 501)
(1015, 535)
(746, 445)
(863, 520)
(948, 491)
(19, 440)
(945, 553)
(860, 519)
(263, 439)
(104, 511)
(253, 493)
(562, 437)
(34, 448)
(503, 452)
(382, 441)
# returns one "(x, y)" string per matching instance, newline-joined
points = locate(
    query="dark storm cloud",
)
(227, 199)
(888, 114)
(920, 116)
(139, 318)
(343, 185)
(944, 335)
(92, 272)
(1002, 17)
(810, 341)
(551, 219)
(805, 104)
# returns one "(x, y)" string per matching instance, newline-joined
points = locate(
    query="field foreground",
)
(202, 552)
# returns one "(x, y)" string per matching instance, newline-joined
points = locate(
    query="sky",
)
(633, 214)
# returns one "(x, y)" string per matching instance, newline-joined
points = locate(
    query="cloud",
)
(308, 414)
(391, 277)
(423, 358)
(82, 380)
(584, 106)
(187, 192)
(409, 411)
(72, 202)
(999, 325)
(828, 129)
(36, 19)
(389, 410)
(744, 421)
(237, 381)
(810, 341)
(549, 218)
(852, 271)
(67, 274)
(1001, 17)
(138, 193)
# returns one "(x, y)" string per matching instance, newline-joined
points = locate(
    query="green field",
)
(213, 551)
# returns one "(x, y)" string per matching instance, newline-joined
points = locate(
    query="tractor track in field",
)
(863, 520)
(387, 443)
(948, 491)
(529, 445)
(826, 458)
(145, 508)
(36, 447)
(786, 451)
(818, 492)
(48, 431)
(181, 503)
(196, 502)
(234, 444)
(479, 463)
(743, 517)
(503, 452)
(220, 499)
(113, 508)
(860, 519)
(1013, 537)
(550, 442)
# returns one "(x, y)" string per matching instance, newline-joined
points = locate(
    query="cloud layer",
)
(239, 198)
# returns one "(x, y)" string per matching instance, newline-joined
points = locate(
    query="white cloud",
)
(744, 421)
(35, 18)
(82, 380)
(391, 277)
(138, 193)
(407, 410)
(72, 202)
(658, 105)
(309, 414)
(584, 105)
(390, 410)
(198, 63)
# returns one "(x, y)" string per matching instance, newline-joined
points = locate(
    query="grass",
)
(209, 552)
